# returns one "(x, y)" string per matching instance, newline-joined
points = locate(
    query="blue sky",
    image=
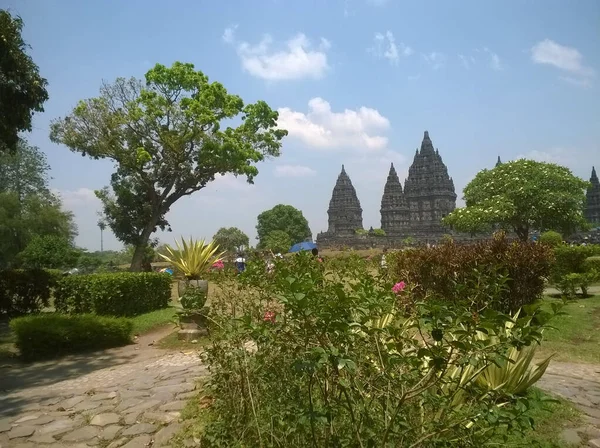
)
(356, 82)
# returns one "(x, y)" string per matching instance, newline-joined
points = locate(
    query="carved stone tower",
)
(429, 190)
(394, 211)
(499, 162)
(345, 213)
(592, 203)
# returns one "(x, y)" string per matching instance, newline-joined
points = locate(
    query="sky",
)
(356, 82)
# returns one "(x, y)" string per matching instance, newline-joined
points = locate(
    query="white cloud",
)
(435, 59)
(466, 62)
(385, 46)
(560, 156)
(81, 196)
(294, 171)
(567, 59)
(495, 63)
(320, 127)
(296, 59)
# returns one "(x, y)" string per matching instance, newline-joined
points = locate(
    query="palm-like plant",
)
(193, 258)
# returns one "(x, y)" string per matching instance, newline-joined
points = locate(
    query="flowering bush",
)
(309, 356)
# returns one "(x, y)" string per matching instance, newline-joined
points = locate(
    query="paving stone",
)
(27, 418)
(105, 419)
(128, 403)
(593, 412)
(171, 382)
(20, 431)
(570, 436)
(142, 407)
(594, 443)
(86, 405)
(81, 434)
(175, 389)
(130, 419)
(187, 395)
(162, 437)
(110, 432)
(50, 401)
(70, 402)
(173, 406)
(138, 442)
(42, 420)
(161, 417)
(104, 396)
(125, 393)
(163, 397)
(42, 438)
(100, 410)
(5, 424)
(118, 443)
(139, 428)
(58, 427)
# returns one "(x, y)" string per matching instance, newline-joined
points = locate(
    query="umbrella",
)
(306, 245)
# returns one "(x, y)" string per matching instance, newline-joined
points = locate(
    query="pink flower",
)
(399, 287)
(218, 264)
(269, 316)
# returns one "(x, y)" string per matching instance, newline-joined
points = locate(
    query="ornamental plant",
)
(308, 356)
(193, 259)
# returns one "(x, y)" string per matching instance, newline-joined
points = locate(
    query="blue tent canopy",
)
(306, 245)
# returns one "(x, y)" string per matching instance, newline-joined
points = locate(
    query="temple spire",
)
(427, 145)
(394, 211)
(345, 212)
(499, 162)
(594, 178)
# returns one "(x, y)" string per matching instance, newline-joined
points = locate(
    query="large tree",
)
(277, 241)
(25, 171)
(231, 239)
(521, 196)
(285, 218)
(22, 89)
(169, 136)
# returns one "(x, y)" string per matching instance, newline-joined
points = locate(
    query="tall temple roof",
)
(594, 178)
(394, 210)
(428, 173)
(345, 212)
(499, 162)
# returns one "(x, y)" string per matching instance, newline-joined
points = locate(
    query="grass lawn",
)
(576, 335)
(152, 320)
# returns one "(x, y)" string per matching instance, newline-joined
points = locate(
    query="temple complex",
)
(415, 211)
(592, 206)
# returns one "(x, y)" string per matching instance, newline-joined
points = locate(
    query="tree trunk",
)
(137, 262)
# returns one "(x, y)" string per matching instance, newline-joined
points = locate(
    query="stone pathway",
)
(579, 384)
(129, 397)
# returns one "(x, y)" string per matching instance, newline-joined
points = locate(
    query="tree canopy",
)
(285, 218)
(231, 239)
(168, 137)
(49, 251)
(522, 196)
(22, 89)
(277, 241)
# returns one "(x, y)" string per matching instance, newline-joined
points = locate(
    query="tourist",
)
(383, 260)
(240, 263)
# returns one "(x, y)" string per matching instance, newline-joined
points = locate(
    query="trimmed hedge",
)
(118, 294)
(498, 273)
(49, 335)
(25, 291)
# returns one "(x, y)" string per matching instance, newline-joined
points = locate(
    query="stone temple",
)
(415, 211)
(592, 206)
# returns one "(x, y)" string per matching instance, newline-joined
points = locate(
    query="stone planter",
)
(182, 285)
(192, 326)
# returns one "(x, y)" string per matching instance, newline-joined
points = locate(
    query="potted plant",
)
(193, 260)
(192, 317)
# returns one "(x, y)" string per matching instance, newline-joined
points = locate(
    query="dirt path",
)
(579, 384)
(130, 396)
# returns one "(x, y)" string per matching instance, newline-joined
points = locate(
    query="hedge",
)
(25, 291)
(497, 273)
(48, 335)
(118, 294)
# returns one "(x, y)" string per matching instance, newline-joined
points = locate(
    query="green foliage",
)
(50, 335)
(378, 232)
(522, 195)
(169, 138)
(569, 283)
(361, 232)
(193, 299)
(25, 291)
(574, 268)
(284, 218)
(352, 372)
(494, 273)
(193, 259)
(277, 241)
(119, 294)
(22, 89)
(592, 264)
(551, 238)
(231, 239)
(49, 251)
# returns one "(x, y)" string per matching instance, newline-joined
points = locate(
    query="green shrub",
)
(503, 274)
(592, 264)
(569, 260)
(25, 291)
(49, 335)
(569, 283)
(551, 238)
(310, 357)
(118, 294)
